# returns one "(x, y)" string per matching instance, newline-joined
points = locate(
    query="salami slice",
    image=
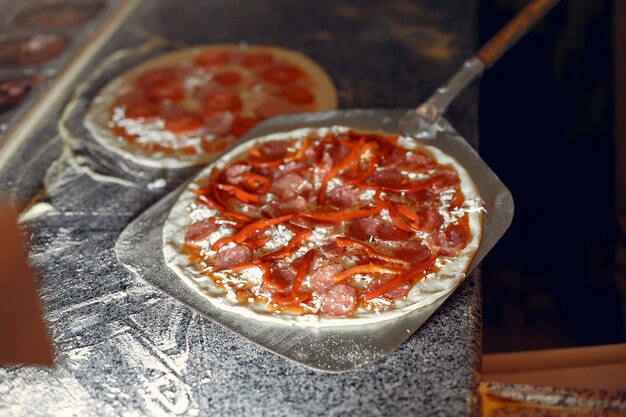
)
(227, 258)
(339, 301)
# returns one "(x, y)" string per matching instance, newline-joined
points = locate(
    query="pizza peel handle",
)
(421, 121)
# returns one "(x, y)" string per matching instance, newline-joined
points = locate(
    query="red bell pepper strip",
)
(344, 242)
(413, 275)
(381, 139)
(371, 168)
(289, 299)
(345, 162)
(207, 200)
(341, 215)
(228, 214)
(405, 211)
(301, 150)
(267, 164)
(303, 269)
(259, 243)
(256, 181)
(267, 273)
(239, 193)
(248, 231)
(238, 217)
(213, 184)
(319, 148)
(299, 154)
(394, 208)
(366, 269)
(368, 146)
(291, 246)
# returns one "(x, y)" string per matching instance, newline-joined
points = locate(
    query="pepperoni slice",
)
(187, 122)
(374, 227)
(449, 177)
(130, 94)
(449, 242)
(339, 301)
(414, 159)
(257, 60)
(298, 95)
(420, 196)
(364, 229)
(387, 231)
(229, 79)
(343, 197)
(142, 111)
(209, 59)
(406, 161)
(431, 219)
(156, 76)
(285, 187)
(274, 149)
(283, 277)
(412, 251)
(276, 107)
(220, 102)
(283, 74)
(393, 294)
(237, 255)
(234, 172)
(172, 111)
(218, 124)
(297, 205)
(200, 230)
(388, 178)
(165, 91)
(324, 278)
(241, 125)
(210, 88)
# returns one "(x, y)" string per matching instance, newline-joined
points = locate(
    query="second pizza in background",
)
(186, 107)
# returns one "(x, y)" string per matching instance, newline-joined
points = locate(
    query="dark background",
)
(546, 128)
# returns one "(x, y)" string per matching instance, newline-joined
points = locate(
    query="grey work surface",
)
(125, 348)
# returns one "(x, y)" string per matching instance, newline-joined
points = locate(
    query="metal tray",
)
(140, 249)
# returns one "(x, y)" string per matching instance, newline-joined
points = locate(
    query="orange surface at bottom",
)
(598, 367)
(496, 402)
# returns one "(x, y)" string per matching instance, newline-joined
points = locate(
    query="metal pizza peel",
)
(348, 347)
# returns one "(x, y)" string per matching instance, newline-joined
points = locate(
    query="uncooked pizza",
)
(326, 227)
(186, 107)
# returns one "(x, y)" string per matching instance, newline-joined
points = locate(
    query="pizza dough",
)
(186, 107)
(325, 227)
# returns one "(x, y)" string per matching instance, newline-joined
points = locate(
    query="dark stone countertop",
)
(123, 348)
